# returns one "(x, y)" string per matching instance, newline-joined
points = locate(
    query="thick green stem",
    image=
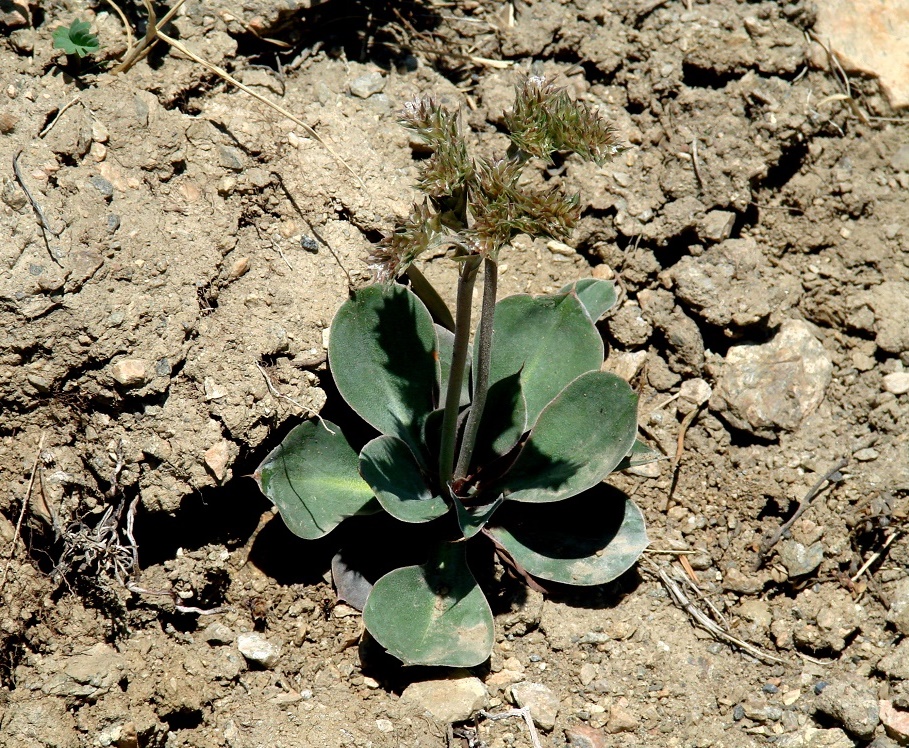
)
(458, 361)
(481, 374)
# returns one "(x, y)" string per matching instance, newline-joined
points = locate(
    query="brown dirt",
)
(136, 348)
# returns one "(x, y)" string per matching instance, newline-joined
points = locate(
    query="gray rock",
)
(800, 559)
(730, 285)
(86, 676)
(103, 186)
(896, 664)
(812, 737)
(256, 648)
(853, 706)
(900, 160)
(540, 700)
(230, 158)
(366, 85)
(453, 699)
(889, 304)
(629, 327)
(218, 633)
(898, 614)
(774, 386)
(716, 226)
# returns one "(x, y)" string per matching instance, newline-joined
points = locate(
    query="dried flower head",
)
(545, 120)
(500, 208)
(450, 165)
(478, 205)
(421, 231)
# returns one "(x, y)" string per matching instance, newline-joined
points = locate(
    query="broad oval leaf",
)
(382, 350)
(577, 441)
(434, 614)
(597, 296)
(589, 539)
(312, 478)
(549, 340)
(392, 471)
(504, 420)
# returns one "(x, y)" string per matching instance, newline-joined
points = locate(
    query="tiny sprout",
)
(77, 39)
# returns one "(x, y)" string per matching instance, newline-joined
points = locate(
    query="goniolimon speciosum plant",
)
(504, 444)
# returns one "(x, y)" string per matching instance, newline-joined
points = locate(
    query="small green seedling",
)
(502, 447)
(76, 40)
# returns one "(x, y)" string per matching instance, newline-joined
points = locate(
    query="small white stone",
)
(256, 648)
(696, 391)
(130, 372)
(897, 382)
(385, 725)
(540, 700)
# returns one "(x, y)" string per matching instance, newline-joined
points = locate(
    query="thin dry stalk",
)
(523, 713)
(22, 511)
(703, 620)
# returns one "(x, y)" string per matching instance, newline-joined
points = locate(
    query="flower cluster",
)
(545, 120)
(480, 206)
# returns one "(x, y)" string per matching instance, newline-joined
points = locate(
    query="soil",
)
(168, 329)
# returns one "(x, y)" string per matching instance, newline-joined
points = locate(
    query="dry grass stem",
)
(22, 511)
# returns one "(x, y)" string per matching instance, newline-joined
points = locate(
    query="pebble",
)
(217, 633)
(769, 688)
(716, 226)
(103, 186)
(898, 614)
(239, 268)
(900, 160)
(453, 699)
(589, 672)
(869, 454)
(765, 388)
(585, 736)
(896, 664)
(738, 712)
(230, 158)
(366, 85)
(540, 700)
(897, 382)
(130, 372)
(896, 721)
(256, 648)
(385, 725)
(854, 707)
(620, 720)
(736, 581)
(799, 559)
(216, 458)
(695, 391)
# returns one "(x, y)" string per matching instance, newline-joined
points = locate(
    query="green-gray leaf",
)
(577, 441)
(589, 539)
(382, 352)
(392, 471)
(434, 614)
(312, 478)
(597, 296)
(473, 519)
(550, 340)
(640, 454)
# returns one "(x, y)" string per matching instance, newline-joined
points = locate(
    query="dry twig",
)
(813, 492)
(524, 713)
(703, 620)
(22, 511)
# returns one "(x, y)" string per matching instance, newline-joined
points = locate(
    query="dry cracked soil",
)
(167, 327)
